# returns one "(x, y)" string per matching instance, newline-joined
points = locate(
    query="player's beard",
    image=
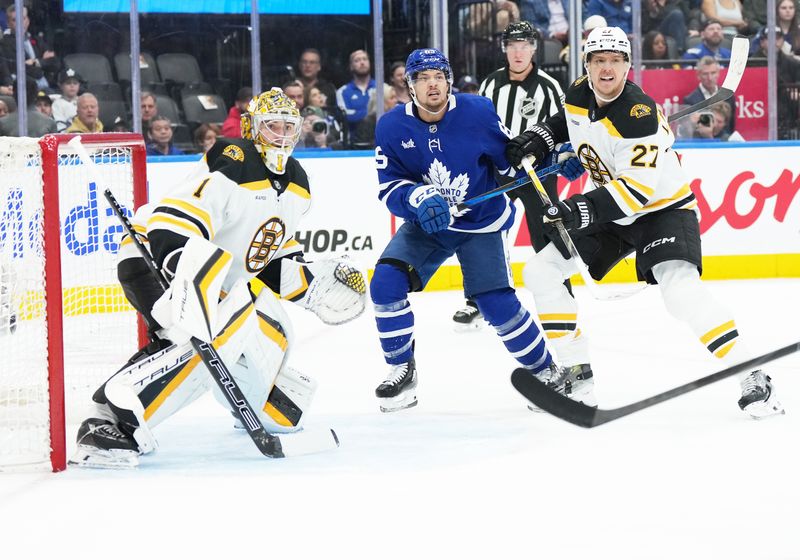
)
(437, 104)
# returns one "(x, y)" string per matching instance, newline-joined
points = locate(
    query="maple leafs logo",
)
(455, 191)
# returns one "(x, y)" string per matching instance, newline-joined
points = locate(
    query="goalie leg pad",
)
(290, 397)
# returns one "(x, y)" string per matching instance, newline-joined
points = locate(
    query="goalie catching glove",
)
(333, 289)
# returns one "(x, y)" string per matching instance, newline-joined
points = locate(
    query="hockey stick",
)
(521, 182)
(268, 444)
(588, 417)
(739, 51)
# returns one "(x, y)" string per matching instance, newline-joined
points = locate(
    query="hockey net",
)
(65, 325)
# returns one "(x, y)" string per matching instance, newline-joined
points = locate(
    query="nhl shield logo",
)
(527, 108)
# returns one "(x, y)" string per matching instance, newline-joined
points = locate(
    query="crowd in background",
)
(342, 115)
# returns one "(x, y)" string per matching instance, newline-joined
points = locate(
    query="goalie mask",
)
(273, 123)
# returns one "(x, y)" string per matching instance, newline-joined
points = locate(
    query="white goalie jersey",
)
(626, 148)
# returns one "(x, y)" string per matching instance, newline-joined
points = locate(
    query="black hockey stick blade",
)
(268, 444)
(589, 417)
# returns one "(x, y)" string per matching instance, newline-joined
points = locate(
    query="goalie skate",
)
(102, 445)
(758, 396)
(399, 389)
(575, 382)
(468, 318)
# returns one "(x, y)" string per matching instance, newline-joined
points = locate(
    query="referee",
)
(522, 95)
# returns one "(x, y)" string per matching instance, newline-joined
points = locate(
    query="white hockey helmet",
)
(274, 124)
(611, 39)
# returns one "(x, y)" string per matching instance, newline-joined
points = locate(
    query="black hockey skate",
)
(399, 389)
(468, 318)
(758, 397)
(103, 444)
(575, 382)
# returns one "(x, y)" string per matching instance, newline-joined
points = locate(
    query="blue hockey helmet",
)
(427, 59)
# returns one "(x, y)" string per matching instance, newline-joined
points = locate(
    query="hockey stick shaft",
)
(737, 64)
(588, 417)
(521, 182)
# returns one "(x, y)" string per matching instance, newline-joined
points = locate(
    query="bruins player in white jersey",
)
(639, 200)
(224, 231)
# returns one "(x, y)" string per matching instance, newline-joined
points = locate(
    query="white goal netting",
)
(96, 324)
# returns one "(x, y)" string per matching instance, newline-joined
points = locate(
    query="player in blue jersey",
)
(432, 153)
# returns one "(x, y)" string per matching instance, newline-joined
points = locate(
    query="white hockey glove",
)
(190, 306)
(338, 292)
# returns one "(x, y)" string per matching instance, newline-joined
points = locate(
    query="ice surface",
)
(470, 472)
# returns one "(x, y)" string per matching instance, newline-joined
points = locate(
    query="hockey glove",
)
(536, 141)
(433, 212)
(576, 212)
(570, 165)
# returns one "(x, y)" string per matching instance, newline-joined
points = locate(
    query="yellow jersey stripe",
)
(298, 190)
(558, 316)
(171, 222)
(260, 185)
(715, 332)
(192, 210)
(724, 349)
(612, 130)
(575, 110)
(644, 189)
(632, 203)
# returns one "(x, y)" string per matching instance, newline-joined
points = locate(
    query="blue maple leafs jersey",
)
(458, 155)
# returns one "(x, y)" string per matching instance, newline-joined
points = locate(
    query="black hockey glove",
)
(536, 141)
(577, 212)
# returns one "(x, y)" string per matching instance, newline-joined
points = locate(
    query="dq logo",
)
(591, 162)
(266, 241)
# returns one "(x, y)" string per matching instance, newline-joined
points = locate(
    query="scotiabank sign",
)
(669, 87)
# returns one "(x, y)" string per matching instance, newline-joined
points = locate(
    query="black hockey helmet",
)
(519, 31)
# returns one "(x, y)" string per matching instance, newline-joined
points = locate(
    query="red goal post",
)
(57, 237)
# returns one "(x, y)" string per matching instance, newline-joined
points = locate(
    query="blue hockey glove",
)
(569, 164)
(433, 212)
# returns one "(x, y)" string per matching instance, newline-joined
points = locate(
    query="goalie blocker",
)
(252, 335)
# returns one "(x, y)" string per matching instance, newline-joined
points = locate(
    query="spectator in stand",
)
(667, 17)
(295, 92)
(707, 85)
(66, 107)
(205, 136)
(713, 124)
(148, 108)
(353, 97)
(44, 104)
(160, 133)
(710, 45)
(618, 13)
(548, 16)
(790, 26)
(315, 98)
(397, 79)
(654, 49)
(3, 108)
(231, 128)
(41, 63)
(316, 131)
(86, 121)
(728, 13)
(6, 78)
(590, 23)
(38, 124)
(788, 73)
(119, 125)
(365, 133)
(309, 68)
(755, 13)
(467, 84)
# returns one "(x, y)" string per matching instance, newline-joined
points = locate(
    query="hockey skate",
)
(399, 389)
(575, 382)
(468, 318)
(758, 397)
(104, 445)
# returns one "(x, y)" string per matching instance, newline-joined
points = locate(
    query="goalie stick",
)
(268, 444)
(588, 416)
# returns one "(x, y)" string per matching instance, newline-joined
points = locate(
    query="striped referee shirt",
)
(521, 104)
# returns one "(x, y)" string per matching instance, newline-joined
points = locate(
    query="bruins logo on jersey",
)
(593, 164)
(267, 240)
(234, 152)
(640, 110)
